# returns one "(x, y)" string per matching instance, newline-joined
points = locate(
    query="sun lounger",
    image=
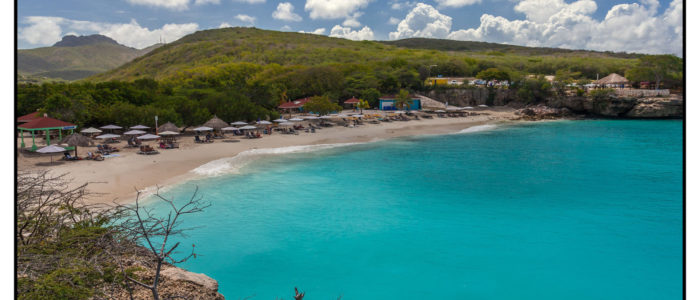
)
(96, 157)
(102, 150)
(67, 156)
(147, 150)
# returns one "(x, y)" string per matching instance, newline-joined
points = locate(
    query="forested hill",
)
(471, 46)
(221, 47)
(74, 57)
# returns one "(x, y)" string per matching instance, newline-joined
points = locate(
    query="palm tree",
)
(362, 104)
(403, 100)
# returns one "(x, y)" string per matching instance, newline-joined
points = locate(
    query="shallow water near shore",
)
(555, 210)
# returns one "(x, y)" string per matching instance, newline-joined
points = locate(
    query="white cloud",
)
(245, 18)
(394, 21)
(44, 31)
(423, 21)
(285, 12)
(225, 25)
(553, 23)
(286, 28)
(401, 5)
(169, 4)
(333, 9)
(250, 1)
(346, 32)
(352, 20)
(201, 2)
(456, 3)
(318, 31)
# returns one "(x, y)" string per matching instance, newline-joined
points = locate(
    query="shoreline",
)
(117, 179)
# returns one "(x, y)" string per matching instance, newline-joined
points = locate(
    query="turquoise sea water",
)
(559, 210)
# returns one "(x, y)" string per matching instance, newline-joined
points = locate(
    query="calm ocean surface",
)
(559, 210)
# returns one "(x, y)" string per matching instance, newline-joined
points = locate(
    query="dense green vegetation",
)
(245, 73)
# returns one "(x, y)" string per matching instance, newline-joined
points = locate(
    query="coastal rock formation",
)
(657, 108)
(178, 274)
(542, 112)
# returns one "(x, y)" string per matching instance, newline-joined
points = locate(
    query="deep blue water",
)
(560, 210)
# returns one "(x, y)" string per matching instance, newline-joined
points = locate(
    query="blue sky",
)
(647, 26)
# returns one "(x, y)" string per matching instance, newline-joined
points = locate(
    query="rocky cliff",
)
(607, 107)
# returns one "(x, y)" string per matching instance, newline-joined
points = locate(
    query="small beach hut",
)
(76, 140)
(168, 127)
(352, 102)
(44, 124)
(612, 80)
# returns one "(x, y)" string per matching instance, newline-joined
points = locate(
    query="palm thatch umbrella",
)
(215, 123)
(76, 140)
(168, 127)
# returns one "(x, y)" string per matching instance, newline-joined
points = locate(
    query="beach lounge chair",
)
(147, 150)
(67, 156)
(102, 150)
(92, 156)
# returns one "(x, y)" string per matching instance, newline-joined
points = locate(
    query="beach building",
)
(351, 103)
(613, 80)
(389, 103)
(298, 104)
(28, 117)
(44, 125)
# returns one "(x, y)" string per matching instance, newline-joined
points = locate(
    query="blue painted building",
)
(389, 103)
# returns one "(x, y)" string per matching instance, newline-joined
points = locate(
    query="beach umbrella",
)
(452, 109)
(139, 127)
(215, 123)
(325, 117)
(203, 128)
(439, 111)
(134, 132)
(296, 119)
(468, 107)
(168, 133)
(148, 137)
(90, 130)
(279, 120)
(358, 116)
(51, 149)
(229, 128)
(263, 122)
(248, 127)
(168, 127)
(76, 140)
(286, 124)
(482, 105)
(107, 136)
(311, 117)
(239, 123)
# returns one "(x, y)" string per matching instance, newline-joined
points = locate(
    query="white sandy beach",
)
(118, 178)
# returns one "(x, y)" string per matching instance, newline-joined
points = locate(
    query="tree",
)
(403, 100)
(493, 74)
(321, 105)
(656, 68)
(362, 104)
(155, 231)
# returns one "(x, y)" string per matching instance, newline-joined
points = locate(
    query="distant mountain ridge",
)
(75, 57)
(74, 41)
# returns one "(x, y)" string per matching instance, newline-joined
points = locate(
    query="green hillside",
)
(71, 59)
(220, 47)
(245, 73)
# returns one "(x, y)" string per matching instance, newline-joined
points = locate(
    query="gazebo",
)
(44, 124)
(612, 79)
(296, 104)
(29, 117)
(352, 102)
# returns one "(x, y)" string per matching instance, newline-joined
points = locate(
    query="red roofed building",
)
(299, 103)
(352, 100)
(44, 124)
(28, 117)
